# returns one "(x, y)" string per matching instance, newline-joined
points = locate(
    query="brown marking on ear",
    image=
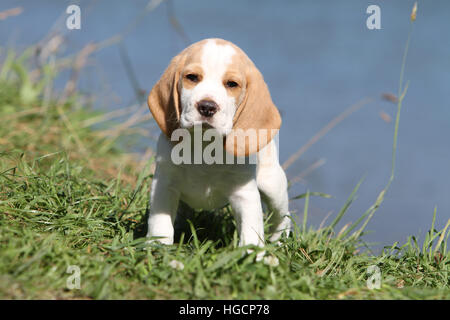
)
(164, 98)
(256, 112)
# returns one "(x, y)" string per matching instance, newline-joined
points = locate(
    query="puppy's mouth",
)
(207, 125)
(203, 125)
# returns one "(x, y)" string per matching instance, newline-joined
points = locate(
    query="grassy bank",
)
(69, 197)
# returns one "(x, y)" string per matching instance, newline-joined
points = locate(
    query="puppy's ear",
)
(163, 100)
(257, 119)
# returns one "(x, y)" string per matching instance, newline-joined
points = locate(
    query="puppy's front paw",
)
(275, 237)
(259, 255)
(160, 239)
(160, 229)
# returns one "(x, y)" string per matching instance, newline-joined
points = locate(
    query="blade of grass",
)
(305, 212)
(347, 204)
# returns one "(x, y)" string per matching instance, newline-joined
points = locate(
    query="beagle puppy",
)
(213, 85)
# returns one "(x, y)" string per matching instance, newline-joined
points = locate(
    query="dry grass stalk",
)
(325, 130)
(10, 13)
(307, 171)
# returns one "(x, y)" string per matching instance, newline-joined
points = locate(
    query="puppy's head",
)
(214, 84)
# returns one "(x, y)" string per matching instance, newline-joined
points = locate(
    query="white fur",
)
(214, 62)
(204, 186)
(212, 186)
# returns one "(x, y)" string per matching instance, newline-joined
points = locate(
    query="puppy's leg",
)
(272, 184)
(246, 204)
(163, 209)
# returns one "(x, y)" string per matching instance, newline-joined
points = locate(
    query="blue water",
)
(318, 58)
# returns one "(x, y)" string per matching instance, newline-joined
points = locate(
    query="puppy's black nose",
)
(207, 108)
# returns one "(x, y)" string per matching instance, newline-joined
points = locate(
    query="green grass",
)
(68, 196)
(57, 213)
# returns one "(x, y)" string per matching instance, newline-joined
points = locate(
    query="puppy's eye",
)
(232, 84)
(193, 77)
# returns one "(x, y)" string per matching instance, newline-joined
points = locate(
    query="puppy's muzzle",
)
(207, 108)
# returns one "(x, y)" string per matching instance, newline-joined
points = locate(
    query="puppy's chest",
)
(209, 187)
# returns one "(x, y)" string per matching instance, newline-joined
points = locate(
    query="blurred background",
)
(331, 77)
